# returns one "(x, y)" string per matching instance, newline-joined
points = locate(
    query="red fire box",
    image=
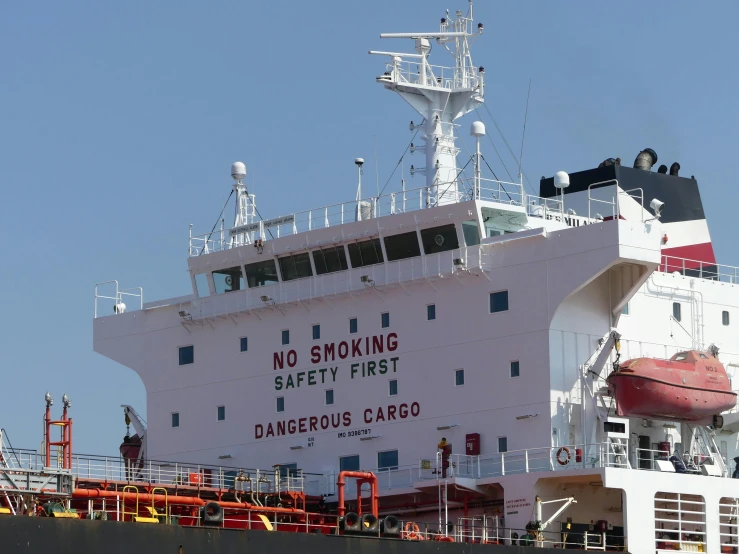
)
(472, 444)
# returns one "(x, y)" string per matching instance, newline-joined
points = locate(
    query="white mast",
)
(244, 207)
(440, 94)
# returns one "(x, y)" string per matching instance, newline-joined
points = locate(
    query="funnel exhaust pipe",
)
(675, 169)
(662, 169)
(646, 159)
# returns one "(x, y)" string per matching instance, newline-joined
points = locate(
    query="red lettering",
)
(324, 422)
(280, 428)
(301, 425)
(258, 431)
(291, 426)
(335, 422)
(367, 343)
(368, 419)
(403, 411)
(380, 415)
(278, 361)
(392, 342)
(391, 412)
(378, 344)
(356, 348)
(292, 358)
(415, 409)
(313, 423)
(328, 350)
(347, 419)
(345, 347)
(270, 430)
(315, 354)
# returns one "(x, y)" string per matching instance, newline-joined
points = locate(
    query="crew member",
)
(446, 453)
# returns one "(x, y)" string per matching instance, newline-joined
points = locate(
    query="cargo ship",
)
(451, 352)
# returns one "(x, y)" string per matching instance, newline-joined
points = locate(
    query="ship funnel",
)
(646, 159)
(675, 169)
(662, 169)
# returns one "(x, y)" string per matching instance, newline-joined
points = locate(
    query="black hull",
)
(32, 535)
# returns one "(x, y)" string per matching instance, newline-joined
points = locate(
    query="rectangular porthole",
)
(459, 377)
(316, 332)
(285, 336)
(280, 404)
(515, 369)
(385, 320)
(387, 460)
(725, 317)
(677, 311)
(431, 312)
(175, 419)
(244, 344)
(498, 301)
(349, 463)
(329, 397)
(393, 385)
(221, 413)
(187, 355)
(353, 325)
(502, 445)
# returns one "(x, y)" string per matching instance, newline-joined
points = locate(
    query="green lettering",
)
(354, 369)
(300, 377)
(333, 373)
(371, 367)
(322, 371)
(394, 360)
(383, 367)
(289, 384)
(278, 382)
(312, 377)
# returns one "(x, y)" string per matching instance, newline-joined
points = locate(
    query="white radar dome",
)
(238, 171)
(561, 180)
(477, 129)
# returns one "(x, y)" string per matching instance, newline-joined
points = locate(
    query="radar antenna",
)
(440, 94)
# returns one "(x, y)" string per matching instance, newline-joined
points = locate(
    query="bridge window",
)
(261, 273)
(471, 233)
(175, 419)
(439, 239)
(187, 355)
(499, 301)
(725, 317)
(677, 311)
(387, 460)
(367, 252)
(349, 463)
(201, 285)
(295, 267)
(399, 247)
(329, 260)
(227, 280)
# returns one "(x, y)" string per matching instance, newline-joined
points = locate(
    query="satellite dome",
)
(477, 129)
(238, 171)
(561, 180)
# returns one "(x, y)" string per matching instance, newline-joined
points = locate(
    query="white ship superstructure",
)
(453, 338)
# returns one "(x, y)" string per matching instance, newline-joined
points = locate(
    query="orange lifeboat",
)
(690, 386)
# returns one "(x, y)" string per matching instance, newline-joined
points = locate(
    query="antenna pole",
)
(523, 135)
(477, 168)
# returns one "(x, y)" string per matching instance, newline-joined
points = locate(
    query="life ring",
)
(411, 531)
(563, 461)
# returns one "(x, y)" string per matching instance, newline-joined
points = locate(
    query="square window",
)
(353, 325)
(385, 319)
(393, 387)
(244, 344)
(515, 369)
(316, 332)
(175, 419)
(349, 463)
(625, 311)
(459, 377)
(498, 301)
(187, 355)
(387, 460)
(329, 397)
(725, 317)
(677, 311)
(286, 336)
(431, 312)
(221, 413)
(502, 444)
(280, 404)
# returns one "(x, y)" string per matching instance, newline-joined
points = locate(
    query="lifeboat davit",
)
(690, 386)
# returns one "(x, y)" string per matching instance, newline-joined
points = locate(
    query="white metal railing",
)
(437, 76)
(702, 270)
(116, 297)
(389, 204)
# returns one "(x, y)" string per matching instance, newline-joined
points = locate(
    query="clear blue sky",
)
(119, 122)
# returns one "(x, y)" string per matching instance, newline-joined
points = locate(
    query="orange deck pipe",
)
(363, 477)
